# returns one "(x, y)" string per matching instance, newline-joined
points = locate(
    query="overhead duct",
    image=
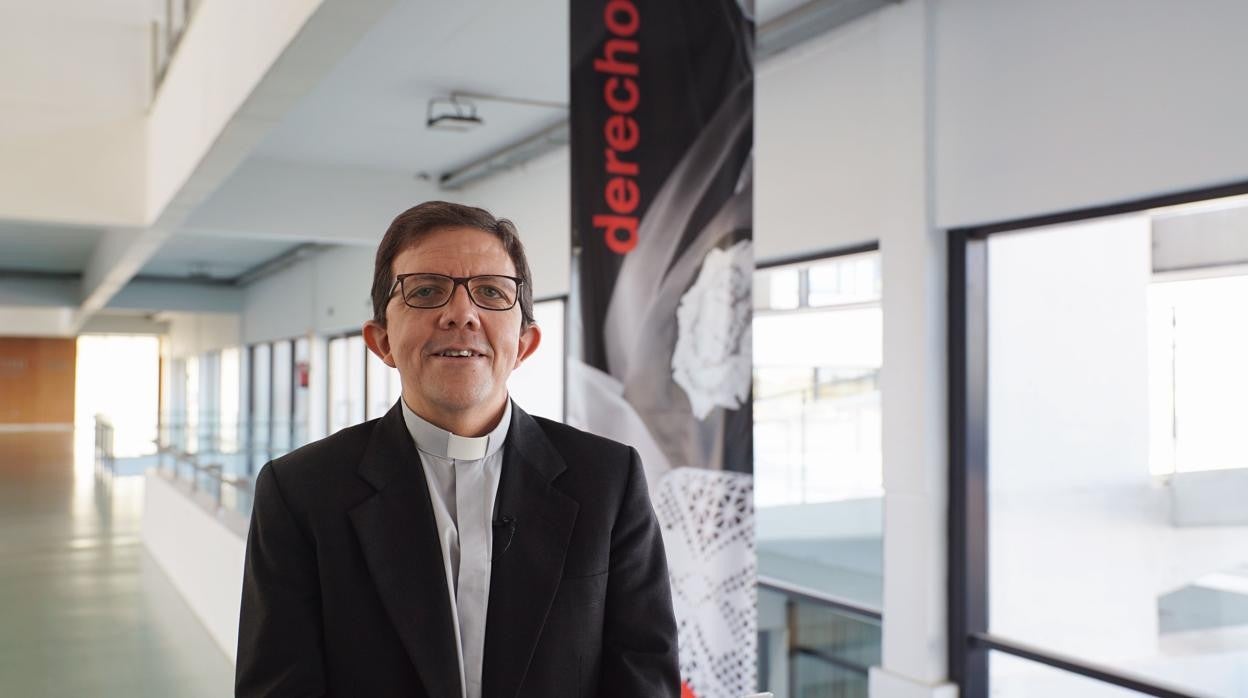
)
(278, 263)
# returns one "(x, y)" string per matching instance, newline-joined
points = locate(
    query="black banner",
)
(662, 216)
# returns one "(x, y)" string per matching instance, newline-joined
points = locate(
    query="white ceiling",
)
(370, 111)
(187, 256)
(72, 63)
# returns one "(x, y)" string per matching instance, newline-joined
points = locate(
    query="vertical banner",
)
(662, 99)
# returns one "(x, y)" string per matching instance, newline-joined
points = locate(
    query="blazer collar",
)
(398, 534)
(526, 570)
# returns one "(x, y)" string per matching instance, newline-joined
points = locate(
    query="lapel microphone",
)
(510, 523)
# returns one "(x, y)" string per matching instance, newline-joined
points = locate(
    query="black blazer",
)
(344, 590)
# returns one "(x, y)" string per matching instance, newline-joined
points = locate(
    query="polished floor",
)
(84, 611)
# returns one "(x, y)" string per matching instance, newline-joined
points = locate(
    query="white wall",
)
(201, 556)
(18, 321)
(1048, 106)
(537, 198)
(837, 136)
(327, 293)
(191, 334)
(72, 128)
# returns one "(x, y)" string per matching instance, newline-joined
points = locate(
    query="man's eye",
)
(489, 292)
(424, 292)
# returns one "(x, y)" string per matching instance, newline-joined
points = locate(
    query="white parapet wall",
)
(200, 552)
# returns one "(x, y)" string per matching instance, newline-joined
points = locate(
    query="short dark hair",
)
(420, 220)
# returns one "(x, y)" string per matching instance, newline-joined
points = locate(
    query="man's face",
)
(453, 391)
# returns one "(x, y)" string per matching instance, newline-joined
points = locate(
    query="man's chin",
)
(461, 402)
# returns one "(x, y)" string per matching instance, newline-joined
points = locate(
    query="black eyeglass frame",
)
(456, 282)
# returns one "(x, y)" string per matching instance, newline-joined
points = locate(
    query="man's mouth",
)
(458, 354)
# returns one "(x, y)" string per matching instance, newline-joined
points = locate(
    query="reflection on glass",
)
(301, 381)
(230, 388)
(192, 426)
(807, 648)
(209, 402)
(1091, 555)
(261, 414)
(283, 388)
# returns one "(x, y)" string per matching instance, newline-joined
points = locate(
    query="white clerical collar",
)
(439, 442)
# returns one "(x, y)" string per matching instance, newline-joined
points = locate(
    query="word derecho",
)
(621, 94)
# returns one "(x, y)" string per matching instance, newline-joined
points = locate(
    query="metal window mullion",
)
(968, 466)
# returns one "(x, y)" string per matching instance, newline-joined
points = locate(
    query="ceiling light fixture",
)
(452, 114)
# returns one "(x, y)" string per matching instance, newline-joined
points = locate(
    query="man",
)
(456, 547)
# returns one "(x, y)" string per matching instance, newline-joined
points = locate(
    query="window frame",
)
(969, 640)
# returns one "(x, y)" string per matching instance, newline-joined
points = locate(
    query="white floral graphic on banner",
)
(711, 362)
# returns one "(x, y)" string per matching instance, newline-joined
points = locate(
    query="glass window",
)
(346, 382)
(380, 386)
(1103, 376)
(210, 402)
(302, 408)
(230, 399)
(192, 427)
(261, 401)
(844, 280)
(818, 478)
(777, 289)
(1014, 676)
(283, 396)
(537, 386)
(1198, 374)
(117, 377)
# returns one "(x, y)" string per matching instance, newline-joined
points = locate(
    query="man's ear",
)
(378, 341)
(530, 337)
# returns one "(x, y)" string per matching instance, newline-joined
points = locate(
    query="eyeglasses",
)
(487, 291)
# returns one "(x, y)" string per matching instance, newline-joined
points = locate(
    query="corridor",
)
(86, 611)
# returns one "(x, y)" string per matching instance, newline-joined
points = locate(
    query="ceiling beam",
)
(200, 129)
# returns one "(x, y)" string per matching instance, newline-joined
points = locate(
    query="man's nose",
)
(460, 311)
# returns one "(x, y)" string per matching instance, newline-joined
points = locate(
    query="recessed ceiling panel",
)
(43, 248)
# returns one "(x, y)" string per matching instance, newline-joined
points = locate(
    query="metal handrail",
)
(213, 471)
(1091, 670)
(795, 593)
(819, 598)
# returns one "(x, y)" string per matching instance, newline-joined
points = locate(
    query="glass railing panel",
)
(815, 677)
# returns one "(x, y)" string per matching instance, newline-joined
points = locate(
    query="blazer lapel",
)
(398, 535)
(525, 576)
